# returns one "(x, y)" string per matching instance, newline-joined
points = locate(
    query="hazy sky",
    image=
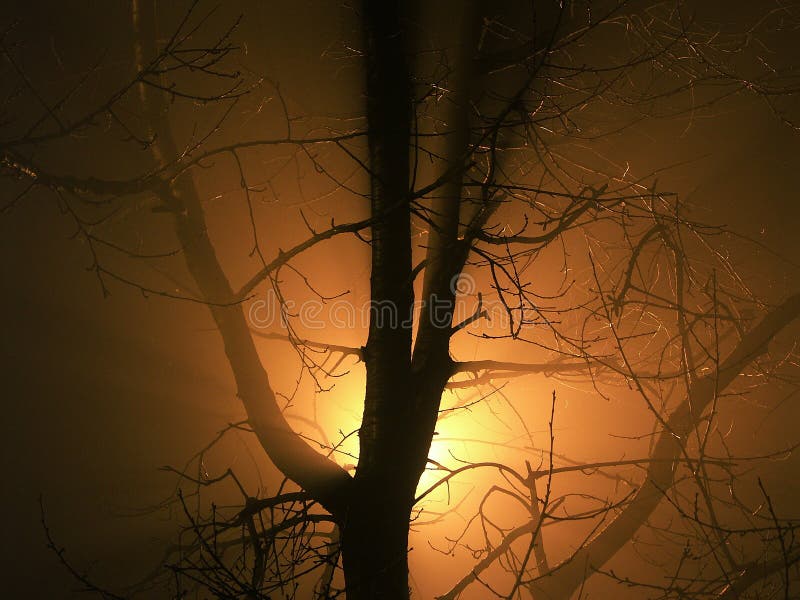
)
(100, 392)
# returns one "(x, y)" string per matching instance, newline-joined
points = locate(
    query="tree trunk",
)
(375, 544)
(378, 507)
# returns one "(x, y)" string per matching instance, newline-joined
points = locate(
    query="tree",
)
(467, 171)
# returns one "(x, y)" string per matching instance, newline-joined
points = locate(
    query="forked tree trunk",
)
(378, 507)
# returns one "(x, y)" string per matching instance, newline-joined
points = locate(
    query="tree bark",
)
(375, 542)
(375, 526)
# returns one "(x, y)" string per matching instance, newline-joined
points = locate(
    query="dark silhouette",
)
(471, 186)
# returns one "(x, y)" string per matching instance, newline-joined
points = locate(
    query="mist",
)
(623, 242)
